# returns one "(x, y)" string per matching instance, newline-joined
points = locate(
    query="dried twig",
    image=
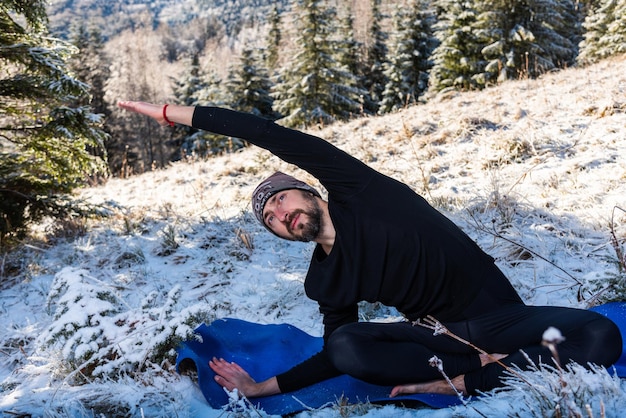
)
(621, 256)
(439, 329)
(438, 364)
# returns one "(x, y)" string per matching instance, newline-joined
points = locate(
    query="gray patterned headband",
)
(273, 184)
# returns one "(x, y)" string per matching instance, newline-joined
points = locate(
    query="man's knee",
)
(613, 340)
(343, 348)
(605, 340)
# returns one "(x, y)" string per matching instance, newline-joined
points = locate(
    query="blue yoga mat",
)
(267, 350)
(616, 311)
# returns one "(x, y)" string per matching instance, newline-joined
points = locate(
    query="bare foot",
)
(442, 386)
(436, 386)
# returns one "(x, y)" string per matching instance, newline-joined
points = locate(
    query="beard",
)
(307, 231)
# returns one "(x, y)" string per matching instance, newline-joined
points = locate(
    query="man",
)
(379, 241)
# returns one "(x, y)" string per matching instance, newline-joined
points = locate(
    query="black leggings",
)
(497, 322)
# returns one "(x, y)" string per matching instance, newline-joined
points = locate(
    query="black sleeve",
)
(318, 367)
(313, 370)
(338, 171)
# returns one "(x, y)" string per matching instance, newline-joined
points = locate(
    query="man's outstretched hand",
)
(152, 110)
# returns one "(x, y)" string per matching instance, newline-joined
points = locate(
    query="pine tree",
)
(348, 89)
(185, 89)
(348, 49)
(374, 78)
(211, 93)
(273, 39)
(458, 57)
(408, 68)
(525, 39)
(605, 31)
(314, 87)
(559, 33)
(90, 65)
(44, 142)
(203, 144)
(250, 86)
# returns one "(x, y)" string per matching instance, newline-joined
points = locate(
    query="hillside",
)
(533, 170)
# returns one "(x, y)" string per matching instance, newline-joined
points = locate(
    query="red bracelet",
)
(165, 116)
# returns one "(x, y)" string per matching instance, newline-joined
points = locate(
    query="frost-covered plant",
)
(552, 391)
(619, 243)
(152, 396)
(574, 391)
(348, 408)
(436, 362)
(98, 334)
(130, 257)
(611, 286)
(169, 243)
(240, 406)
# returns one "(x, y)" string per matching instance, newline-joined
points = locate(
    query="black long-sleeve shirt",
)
(391, 246)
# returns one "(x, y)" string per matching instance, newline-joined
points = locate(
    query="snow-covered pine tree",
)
(605, 31)
(211, 92)
(272, 40)
(90, 65)
(558, 33)
(184, 89)
(97, 332)
(595, 24)
(347, 47)
(348, 89)
(249, 85)
(208, 92)
(525, 39)
(312, 84)
(45, 136)
(374, 79)
(409, 65)
(458, 57)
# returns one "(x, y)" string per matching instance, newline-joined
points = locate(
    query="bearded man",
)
(379, 241)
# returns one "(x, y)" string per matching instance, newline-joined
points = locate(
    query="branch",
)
(438, 328)
(621, 257)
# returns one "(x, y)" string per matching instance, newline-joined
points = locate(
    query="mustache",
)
(292, 215)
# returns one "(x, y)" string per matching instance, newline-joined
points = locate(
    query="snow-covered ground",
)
(533, 170)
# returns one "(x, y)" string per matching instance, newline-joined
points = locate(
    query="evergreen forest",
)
(303, 63)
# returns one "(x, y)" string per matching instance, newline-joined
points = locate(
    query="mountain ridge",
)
(113, 17)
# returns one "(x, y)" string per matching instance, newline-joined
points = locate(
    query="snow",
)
(533, 170)
(552, 335)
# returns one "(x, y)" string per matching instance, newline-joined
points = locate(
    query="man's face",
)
(294, 215)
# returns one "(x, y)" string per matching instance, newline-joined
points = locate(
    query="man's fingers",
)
(224, 382)
(238, 368)
(148, 109)
(229, 370)
(126, 104)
